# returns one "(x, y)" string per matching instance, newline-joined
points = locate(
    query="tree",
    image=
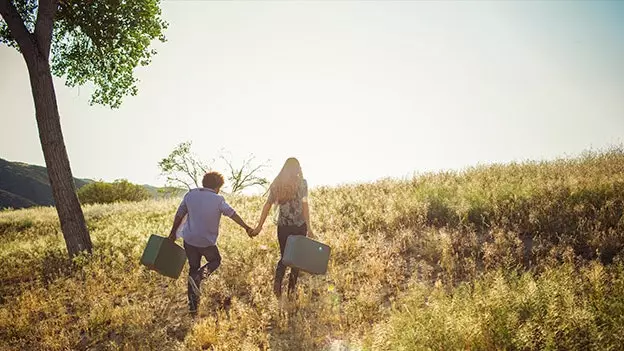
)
(183, 168)
(97, 41)
(245, 176)
(117, 191)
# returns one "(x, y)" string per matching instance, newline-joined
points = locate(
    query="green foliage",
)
(98, 41)
(118, 191)
(28, 11)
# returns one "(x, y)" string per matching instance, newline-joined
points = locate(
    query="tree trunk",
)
(61, 179)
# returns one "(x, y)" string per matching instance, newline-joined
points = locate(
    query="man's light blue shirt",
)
(204, 208)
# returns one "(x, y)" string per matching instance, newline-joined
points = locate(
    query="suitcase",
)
(306, 254)
(164, 256)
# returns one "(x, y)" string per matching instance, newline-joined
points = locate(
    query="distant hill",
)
(24, 185)
(11, 200)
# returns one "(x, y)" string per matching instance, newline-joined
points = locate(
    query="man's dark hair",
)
(213, 180)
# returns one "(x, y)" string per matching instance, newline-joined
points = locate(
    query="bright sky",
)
(356, 90)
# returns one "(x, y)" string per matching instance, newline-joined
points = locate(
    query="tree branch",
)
(197, 168)
(18, 29)
(247, 176)
(172, 181)
(45, 25)
(188, 171)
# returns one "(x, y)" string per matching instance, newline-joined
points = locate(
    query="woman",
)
(290, 192)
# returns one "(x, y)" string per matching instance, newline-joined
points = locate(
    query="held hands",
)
(249, 231)
(256, 231)
(252, 232)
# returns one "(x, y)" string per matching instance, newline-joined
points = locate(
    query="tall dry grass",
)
(517, 256)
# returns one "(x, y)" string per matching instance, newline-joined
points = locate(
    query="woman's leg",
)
(294, 272)
(280, 270)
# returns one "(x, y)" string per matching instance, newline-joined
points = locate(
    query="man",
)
(204, 207)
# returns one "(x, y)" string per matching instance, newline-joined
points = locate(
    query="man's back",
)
(204, 208)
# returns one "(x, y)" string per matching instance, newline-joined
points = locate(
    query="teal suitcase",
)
(164, 256)
(306, 254)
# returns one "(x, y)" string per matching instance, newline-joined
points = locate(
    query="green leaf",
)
(101, 42)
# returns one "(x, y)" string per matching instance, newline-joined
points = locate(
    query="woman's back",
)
(291, 211)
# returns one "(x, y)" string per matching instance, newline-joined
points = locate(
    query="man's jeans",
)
(194, 254)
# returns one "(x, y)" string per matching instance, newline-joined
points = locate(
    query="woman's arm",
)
(306, 216)
(263, 216)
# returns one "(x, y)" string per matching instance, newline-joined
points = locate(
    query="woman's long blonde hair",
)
(285, 186)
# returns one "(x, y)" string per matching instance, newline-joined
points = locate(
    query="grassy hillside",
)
(520, 256)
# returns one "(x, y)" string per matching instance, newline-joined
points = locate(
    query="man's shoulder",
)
(191, 192)
(206, 193)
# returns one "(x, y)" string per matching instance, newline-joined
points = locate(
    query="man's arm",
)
(176, 223)
(179, 217)
(228, 211)
(263, 216)
(236, 218)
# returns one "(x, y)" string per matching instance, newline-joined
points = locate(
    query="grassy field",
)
(520, 257)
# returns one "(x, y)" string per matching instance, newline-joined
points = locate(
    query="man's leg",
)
(211, 253)
(194, 258)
